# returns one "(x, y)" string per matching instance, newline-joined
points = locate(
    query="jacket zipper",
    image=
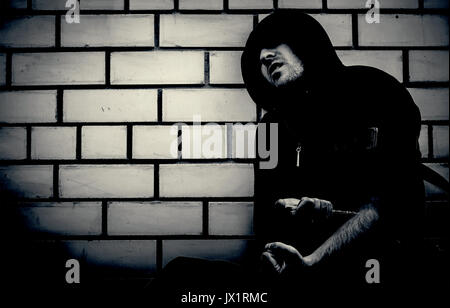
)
(298, 150)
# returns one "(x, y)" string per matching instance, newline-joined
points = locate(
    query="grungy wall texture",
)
(86, 111)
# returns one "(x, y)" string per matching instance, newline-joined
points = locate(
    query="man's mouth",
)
(274, 66)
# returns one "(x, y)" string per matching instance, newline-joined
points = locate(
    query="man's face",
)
(280, 65)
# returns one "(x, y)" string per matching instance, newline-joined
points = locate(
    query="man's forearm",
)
(346, 234)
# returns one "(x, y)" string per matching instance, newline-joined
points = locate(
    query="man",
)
(348, 140)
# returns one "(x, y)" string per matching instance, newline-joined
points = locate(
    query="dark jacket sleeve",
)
(399, 187)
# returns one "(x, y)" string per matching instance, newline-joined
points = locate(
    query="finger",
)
(271, 261)
(278, 246)
(316, 203)
(270, 245)
(283, 249)
(291, 203)
(304, 205)
(280, 203)
(325, 208)
(306, 199)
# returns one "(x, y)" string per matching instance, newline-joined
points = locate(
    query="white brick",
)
(200, 4)
(155, 218)
(428, 65)
(338, 27)
(118, 258)
(84, 5)
(384, 4)
(65, 218)
(388, 61)
(303, 4)
(225, 67)
(433, 103)
(102, 5)
(204, 141)
(27, 181)
(262, 16)
(108, 30)
(423, 141)
(206, 180)
(205, 30)
(244, 141)
(440, 142)
(28, 106)
(59, 68)
(106, 181)
(151, 5)
(13, 143)
(49, 5)
(404, 30)
(231, 218)
(53, 143)
(155, 142)
(250, 4)
(157, 67)
(110, 105)
(104, 142)
(435, 4)
(209, 104)
(36, 31)
(2, 69)
(430, 189)
(230, 250)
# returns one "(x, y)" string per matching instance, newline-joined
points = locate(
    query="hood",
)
(307, 39)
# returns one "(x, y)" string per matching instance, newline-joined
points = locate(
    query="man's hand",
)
(279, 258)
(305, 207)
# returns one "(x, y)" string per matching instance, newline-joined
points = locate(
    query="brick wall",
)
(86, 112)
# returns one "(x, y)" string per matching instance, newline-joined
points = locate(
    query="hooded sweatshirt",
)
(346, 134)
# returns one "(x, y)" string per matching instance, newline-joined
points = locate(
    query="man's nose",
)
(266, 55)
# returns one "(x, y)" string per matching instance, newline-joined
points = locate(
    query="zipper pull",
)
(299, 149)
